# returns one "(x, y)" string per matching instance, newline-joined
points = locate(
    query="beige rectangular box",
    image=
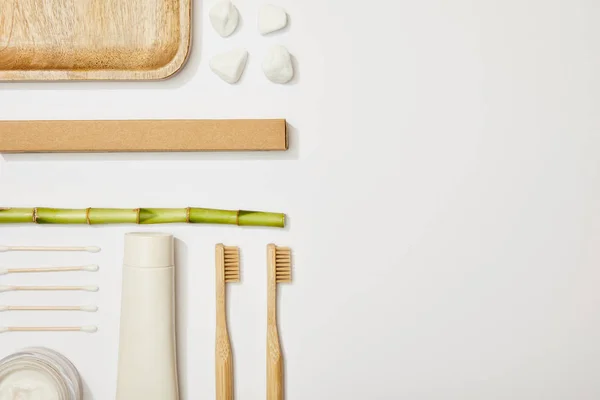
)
(142, 136)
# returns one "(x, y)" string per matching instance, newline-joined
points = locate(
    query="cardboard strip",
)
(142, 136)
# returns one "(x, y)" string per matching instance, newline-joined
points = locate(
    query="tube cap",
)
(148, 250)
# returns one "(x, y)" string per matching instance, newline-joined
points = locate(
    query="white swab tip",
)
(3, 329)
(92, 249)
(91, 268)
(3, 308)
(89, 308)
(89, 329)
(90, 288)
(4, 248)
(5, 288)
(3, 271)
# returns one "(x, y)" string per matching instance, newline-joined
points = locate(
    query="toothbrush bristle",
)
(283, 264)
(232, 264)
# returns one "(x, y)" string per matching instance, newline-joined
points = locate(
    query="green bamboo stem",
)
(95, 216)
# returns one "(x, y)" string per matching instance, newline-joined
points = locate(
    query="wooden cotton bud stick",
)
(7, 288)
(89, 268)
(90, 308)
(89, 249)
(87, 329)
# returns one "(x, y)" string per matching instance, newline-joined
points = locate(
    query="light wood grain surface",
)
(93, 39)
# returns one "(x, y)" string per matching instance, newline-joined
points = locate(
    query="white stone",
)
(271, 18)
(277, 65)
(224, 17)
(230, 66)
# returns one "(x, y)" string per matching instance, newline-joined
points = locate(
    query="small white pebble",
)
(230, 66)
(271, 18)
(224, 17)
(277, 65)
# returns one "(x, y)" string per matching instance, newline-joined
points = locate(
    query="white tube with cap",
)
(147, 348)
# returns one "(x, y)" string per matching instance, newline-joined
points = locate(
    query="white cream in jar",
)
(39, 374)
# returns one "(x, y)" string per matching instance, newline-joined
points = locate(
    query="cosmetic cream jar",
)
(38, 373)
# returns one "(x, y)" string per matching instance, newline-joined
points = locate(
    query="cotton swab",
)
(6, 288)
(89, 249)
(90, 268)
(87, 329)
(49, 308)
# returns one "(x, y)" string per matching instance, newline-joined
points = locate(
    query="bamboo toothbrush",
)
(279, 262)
(227, 262)
(89, 268)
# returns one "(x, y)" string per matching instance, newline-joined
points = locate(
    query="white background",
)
(442, 188)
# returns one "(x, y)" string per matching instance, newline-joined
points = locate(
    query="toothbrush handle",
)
(274, 365)
(223, 366)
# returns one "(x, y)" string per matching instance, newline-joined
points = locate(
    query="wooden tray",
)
(93, 39)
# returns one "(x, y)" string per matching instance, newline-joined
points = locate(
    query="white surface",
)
(444, 204)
